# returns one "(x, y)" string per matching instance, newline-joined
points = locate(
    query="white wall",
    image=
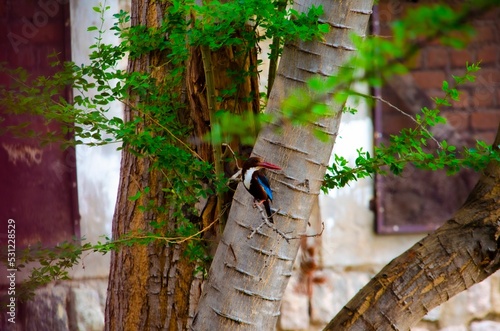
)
(98, 168)
(349, 238)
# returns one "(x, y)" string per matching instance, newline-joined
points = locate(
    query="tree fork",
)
(462, 252)
(154, 286)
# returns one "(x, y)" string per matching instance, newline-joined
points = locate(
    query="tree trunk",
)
(462, 252)
(150, 287)
(153, 287)
(248, 276)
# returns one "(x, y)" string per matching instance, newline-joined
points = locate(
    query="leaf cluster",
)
(220, 24)
(414, 146)
(157, 131)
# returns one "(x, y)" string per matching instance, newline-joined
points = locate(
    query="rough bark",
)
(246, 98)
(462, 252)
(248, 276)
(151, 287)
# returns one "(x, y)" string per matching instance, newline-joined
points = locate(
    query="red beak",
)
(269, 165)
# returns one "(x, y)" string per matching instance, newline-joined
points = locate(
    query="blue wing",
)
(265, 185)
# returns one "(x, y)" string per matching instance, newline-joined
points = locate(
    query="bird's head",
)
(258, 163)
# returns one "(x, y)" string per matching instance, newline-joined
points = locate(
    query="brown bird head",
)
(258, 163)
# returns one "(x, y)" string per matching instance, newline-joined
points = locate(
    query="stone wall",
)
(64, 306)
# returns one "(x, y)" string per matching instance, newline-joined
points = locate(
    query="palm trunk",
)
(248, 276)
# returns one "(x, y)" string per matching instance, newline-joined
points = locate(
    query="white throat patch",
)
(248, 177)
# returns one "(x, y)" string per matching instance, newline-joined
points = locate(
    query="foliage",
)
(229, 23)
(412, 146)
(163, 138)
(47, 264)
(156, 98)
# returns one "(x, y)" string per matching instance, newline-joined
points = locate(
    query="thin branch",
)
(232, 152)
(275, 49)
(401, 111)
(235, 177)
(265, 221)
(173, 135)
(311, 235)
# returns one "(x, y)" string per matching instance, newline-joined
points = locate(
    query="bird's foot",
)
(258, 203)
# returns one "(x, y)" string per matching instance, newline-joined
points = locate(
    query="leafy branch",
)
(52, 264)
(409, 147)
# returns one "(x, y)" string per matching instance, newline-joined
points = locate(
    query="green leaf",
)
(135, 196)
(323, 28)
(445, 86)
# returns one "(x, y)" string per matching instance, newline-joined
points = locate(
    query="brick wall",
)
(474, 117)
(478, 111)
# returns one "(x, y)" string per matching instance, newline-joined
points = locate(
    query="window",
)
(421, 201)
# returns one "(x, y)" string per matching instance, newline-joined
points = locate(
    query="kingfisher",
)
(256, 182)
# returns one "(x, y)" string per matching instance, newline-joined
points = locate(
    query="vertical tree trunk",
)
(248, 276)
(153, 287)
(150, 287)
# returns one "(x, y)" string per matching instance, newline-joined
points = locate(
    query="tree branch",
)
(275, 50)
(462, 252)
(208, 67)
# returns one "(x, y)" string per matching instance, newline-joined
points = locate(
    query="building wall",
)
(349, 252)
(98, 167)
(79, 304)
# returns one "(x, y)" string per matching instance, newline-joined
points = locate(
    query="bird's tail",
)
(267, 205)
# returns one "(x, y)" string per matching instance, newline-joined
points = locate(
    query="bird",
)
(256, 182)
